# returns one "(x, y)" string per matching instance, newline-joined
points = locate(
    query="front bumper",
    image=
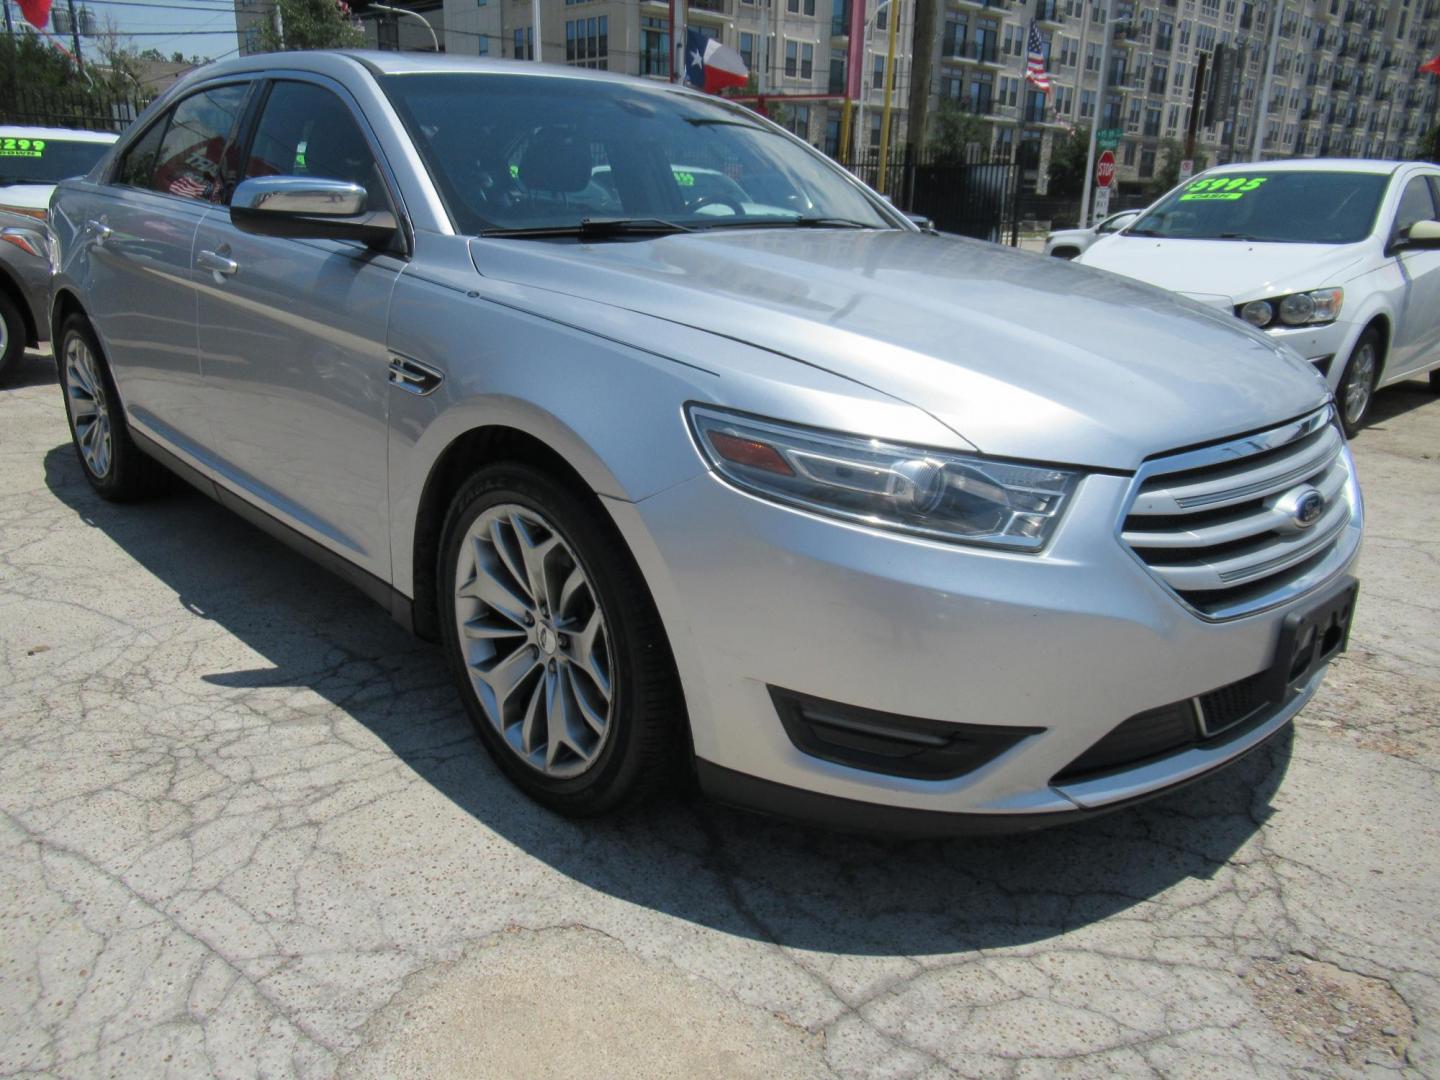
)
(1327, 347)
(1072, 642)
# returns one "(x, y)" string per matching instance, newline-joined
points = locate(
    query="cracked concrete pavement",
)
(246, 831)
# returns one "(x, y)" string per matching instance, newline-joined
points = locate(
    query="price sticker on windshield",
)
(1226, 188)
(12, 147)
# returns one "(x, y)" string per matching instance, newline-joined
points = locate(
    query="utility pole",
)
(278, 23)
(535, 16)
(75, 36)
(1109, 32)
(1262, 119)
(922, 60)
(894, 26)
(1196, 97)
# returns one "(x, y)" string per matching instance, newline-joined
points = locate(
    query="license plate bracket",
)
(1311, 638)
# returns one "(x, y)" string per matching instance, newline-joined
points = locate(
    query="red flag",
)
(36, 12)
(1432, 65)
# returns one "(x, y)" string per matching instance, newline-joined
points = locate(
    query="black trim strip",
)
(397, 604)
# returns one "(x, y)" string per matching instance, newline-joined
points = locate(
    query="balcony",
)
(719, 7)
(1048, 12)
(1034, 112)
(991, 5)
(971, 52)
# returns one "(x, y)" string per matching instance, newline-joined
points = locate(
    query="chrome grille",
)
(1219, 526)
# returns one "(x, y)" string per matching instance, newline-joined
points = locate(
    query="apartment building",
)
(793, 47)
(1344, 81)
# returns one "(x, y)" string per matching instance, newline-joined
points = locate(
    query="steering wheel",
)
(717, 200)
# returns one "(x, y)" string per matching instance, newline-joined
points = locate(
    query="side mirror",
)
(923, 223)
(1423, 235)
(302, 207)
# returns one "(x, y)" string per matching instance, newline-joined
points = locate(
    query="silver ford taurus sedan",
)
(695, 456)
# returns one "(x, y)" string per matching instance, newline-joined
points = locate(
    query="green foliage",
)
(953, 131)
(313, 24)
(41, 71)
(1167, 166)
(1068, 158)
(1430, 146)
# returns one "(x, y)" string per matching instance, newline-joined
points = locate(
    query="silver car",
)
(26, 263)
(850, 522)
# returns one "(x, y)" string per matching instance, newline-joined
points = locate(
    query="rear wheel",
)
(556, 644)
(1357, 383)
(113, 464)
(12, 335)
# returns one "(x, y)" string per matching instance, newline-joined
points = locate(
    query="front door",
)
(292, 340)
(137, 235)
(1416, 341)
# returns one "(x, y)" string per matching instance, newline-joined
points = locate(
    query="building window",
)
(792, 58)
(524, 43)
(587, 42)
(1129, 153)
(877, 78)
(807, 62)
(482, 45)
(1147, 163)
(1087, 104)
(747, 49)
(655, 47)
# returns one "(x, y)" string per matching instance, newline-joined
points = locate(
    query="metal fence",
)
(77, 107)
(972, 200)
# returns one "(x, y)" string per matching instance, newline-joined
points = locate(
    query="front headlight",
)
(1296, 309)
(925, 492)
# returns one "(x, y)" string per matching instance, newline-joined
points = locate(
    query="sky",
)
(195, 27)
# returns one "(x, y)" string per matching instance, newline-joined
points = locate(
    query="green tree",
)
(1068, 159)
(953, 132)
(1430, 146)
(313, 24)
(1167, 169)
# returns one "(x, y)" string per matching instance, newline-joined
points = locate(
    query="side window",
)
(305, 130)
(1415, 205)
(191, 151)
(138, 165)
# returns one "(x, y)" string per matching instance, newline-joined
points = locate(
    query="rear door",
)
(137, 232)
(1416, 337)
(293, 337)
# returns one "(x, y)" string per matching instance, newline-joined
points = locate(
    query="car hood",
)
(1224, 272)
(29, 196)
(1020, 355)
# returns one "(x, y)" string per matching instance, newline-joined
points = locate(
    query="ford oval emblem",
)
(1308, 509)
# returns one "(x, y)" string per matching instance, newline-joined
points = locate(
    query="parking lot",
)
(245, 830)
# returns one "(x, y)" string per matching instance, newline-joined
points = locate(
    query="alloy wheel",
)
(1359, 383)
(534, 640)
(89, 407)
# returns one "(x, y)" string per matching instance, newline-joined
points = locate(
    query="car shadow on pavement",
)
(32, 369)
(740, 873)
(1399, 399)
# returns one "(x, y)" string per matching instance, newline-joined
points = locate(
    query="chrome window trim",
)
(1236, 450)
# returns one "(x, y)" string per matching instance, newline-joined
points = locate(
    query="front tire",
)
(555, 644)
(114, 465)
(12, 336)
(1357, 383)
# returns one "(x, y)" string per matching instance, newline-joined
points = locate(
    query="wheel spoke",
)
(575, 583)
(486, 628)
(535, 552)
(503, 540)
(534, 715)
(583, 651)
(504, 676)
(593, 718)
(487, 587)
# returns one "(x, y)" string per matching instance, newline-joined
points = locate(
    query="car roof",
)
(16, 131)
(1362, 165)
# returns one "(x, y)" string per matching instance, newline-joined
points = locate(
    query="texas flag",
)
(36, 12)
(1432, 65)
(711, 65)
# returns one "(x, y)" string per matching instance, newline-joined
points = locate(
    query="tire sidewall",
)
(594, 790)
(77, 327)
(1372, 338)
(14, 348)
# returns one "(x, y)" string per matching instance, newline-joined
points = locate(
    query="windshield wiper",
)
(793, 223)
(1140, 232)
(593, 229)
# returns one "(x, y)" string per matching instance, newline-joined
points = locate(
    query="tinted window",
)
(521, 151)
(1415, 205)
(1299, 207)
(138, 165)
(306, 130)
(194, 143)
(46, 160)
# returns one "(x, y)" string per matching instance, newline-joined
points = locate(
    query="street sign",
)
(1102, 203)
(1187, 169)
(1105, 170)
(1108, 138)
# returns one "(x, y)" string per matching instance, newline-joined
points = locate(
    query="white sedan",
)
(1339, 259)
(1067, 243)
(34, 159)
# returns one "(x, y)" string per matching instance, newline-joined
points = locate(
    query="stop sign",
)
(1105, 169)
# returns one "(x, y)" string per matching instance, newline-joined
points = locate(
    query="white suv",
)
(1338, 259)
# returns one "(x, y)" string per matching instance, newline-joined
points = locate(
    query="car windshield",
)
(46, 160)
(1283, 207)
(520, 152)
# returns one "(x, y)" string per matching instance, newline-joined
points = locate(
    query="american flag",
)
(1035, 72)
(188, 186)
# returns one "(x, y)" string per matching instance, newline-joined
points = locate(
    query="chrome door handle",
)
(100, 230)
(210, 260)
